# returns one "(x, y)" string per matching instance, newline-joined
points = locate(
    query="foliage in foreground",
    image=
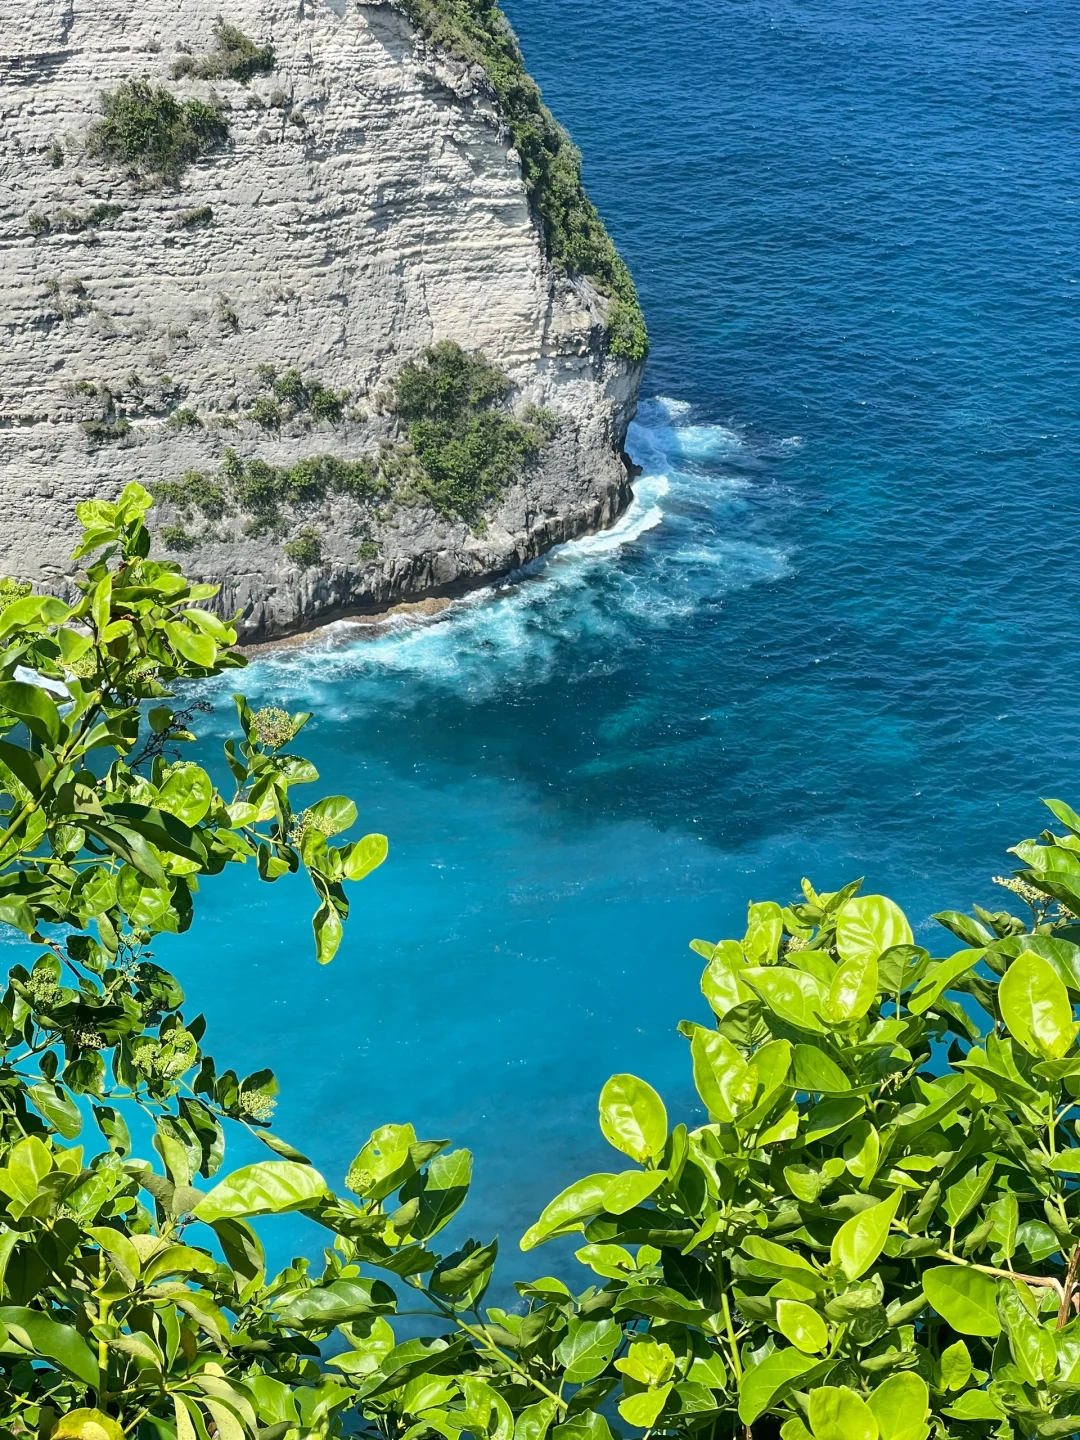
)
(577, 242)
(147, 131)
(873, 1236)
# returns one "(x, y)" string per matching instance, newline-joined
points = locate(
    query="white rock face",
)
(367, 204)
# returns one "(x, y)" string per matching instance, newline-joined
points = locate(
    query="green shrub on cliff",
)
(467, 453)
(234, 57)
(146, 130)
(460, 454)
(305, 549)
(575, 236)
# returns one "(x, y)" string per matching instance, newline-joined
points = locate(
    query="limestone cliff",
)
(367, 202)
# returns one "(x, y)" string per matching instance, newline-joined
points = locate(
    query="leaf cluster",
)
(877, 1231)
(874, 1232)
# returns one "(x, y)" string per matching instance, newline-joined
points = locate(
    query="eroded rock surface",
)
(368, 202)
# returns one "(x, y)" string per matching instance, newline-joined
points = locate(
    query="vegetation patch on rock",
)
(459, 450)
(148, 132)
(465, 451)
(73, 222)
(234, 57)
(290, 395)
(576, 239)
(305, 549)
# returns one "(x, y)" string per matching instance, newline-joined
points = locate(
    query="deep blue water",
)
(837, 634)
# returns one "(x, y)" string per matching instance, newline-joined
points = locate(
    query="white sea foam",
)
(596, 590)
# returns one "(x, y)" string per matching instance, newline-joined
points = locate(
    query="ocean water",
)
(836, 634)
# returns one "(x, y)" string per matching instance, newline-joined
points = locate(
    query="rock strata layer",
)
(368, 202)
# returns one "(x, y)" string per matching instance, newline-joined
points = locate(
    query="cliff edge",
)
(308, 273)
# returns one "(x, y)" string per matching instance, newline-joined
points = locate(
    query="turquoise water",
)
(836, 634)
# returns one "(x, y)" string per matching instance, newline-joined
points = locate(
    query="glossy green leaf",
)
(365, 856)
(867, 925)
(853, 989)
(328, 929)
(643, 1409)
(88, 1424)
(802, 1325)
(725, 1082)
(812, 1070)
(186, 793)
(975, 1405)
(583, 1425)
(791, 994)
(535, 1420)
(860, 1240)
(325, 1306)
(940, 978)
(34, 707)
(781, 1260)
(956, 1366)
(1035, 1006)
(764, 927)
(569, 1209)
(837, 1413)
(270, 1187)
(587, 1348)
(57, 1106)
(720, 983)
(900, 1405)
(770, 1380)
(630, 1189)
(332, 815)
(964, 1297)
(191, 645)
(60, 1343)
(964, 1194)
(633, 1118)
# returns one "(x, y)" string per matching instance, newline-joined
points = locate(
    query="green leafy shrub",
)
(175, 537)
(877, 1231)
(265, 412)
(145, 129)
(195, 491)
(104, 432)
(305, 549)
(263, 490)
(184, 419)
(466, 452)
(234, 57)
(299, 395)
(56, 155)
(873, 1233)
(37, 223)
(577, 242)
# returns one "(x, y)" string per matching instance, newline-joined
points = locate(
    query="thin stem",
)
(1067, 1288)
(485, 1340)
(736, 1363)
